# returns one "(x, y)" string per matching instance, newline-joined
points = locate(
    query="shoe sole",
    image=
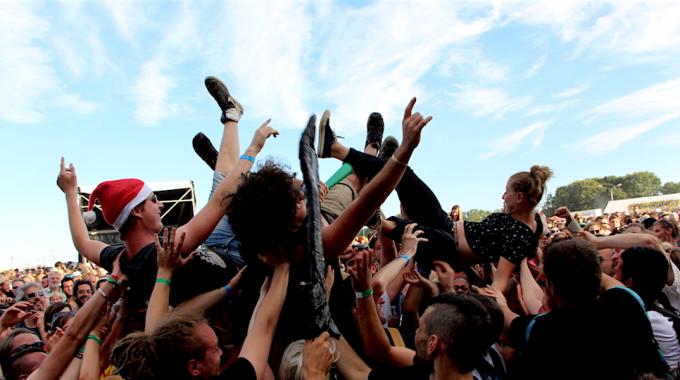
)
(322, 132)
(237, 105)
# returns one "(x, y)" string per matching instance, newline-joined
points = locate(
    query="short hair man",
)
(82, 292)
(21, 352)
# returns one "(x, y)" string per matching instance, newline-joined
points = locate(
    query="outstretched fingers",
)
(409, 108)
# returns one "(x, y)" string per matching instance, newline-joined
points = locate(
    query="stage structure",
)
(178, 199)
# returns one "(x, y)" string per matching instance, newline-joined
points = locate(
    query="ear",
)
(136, 212)
(194, 367)
(433, 342)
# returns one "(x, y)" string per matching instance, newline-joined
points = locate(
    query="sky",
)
(116, 87)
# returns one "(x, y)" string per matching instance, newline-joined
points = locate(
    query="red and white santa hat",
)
(117, 199)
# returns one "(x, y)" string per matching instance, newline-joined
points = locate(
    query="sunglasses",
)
(30, 296)
(153, 198)
(26, 349)
(57, 319)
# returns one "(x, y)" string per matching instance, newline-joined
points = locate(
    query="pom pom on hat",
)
(117, 199)
(90, 217)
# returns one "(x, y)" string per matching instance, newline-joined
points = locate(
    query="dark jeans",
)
(421, 206)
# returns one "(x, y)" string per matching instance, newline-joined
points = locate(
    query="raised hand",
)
(411, 125)
(445, 275)
(261, 135)
(492, 292)
(410, 239)
(67, 180)
(360, 270)
(16, 313)
(317, 357)
(168, 255)
(563, 213)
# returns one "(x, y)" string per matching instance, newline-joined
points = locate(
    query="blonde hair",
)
(531, 183)
(291, 361)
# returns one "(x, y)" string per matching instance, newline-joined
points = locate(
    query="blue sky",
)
(588, 88)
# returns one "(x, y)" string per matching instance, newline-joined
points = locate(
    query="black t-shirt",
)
(241, 369)
(608, 339)
(500, 234)
(205, 272)
(417, 371)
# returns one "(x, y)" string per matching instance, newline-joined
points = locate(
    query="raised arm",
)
(203, 223)
(263, 323)
(338, 235)
(375, 342)
(409, 246)
(58, 359)
(68, 183)
(168, 259)
(200, 304)
(531, 291)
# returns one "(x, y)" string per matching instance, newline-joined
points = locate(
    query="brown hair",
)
(163, 354)
(531, 183)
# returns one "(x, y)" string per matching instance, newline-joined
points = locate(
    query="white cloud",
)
(531, 71)
(622, 26)
(127, 17)
(488, 102)
(547, 108)
(659, 99)
(151, 94)
(26, 72)
(571, 92)
(510, 142)
(610, 140)
(75, 103)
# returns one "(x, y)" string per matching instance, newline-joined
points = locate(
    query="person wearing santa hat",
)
(130, 206)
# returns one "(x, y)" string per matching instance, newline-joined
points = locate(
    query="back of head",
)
(532, 183)
(644, 269)
(572, 268)
(465, 327)
(291, 361)
(134, 356)
(263, 206)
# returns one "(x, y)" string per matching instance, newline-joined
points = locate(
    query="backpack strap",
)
(530, 326)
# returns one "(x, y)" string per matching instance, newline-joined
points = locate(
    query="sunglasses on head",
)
(26, 349)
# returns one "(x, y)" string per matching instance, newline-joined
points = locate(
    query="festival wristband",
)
(247, 157)
(365, 294)
(163, 281)
(95, 338)
(81, 350)
(113, 281)
(405, 257)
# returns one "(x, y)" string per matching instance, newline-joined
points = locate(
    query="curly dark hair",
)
(262, 211)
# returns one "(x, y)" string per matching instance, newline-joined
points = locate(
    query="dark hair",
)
(66, 279)
(75, 289)
(9, 370)
(164, 354)
(647, 268)
(464, 325)
(572, 267)
(532, 183)
(262, 211)
(51, 311)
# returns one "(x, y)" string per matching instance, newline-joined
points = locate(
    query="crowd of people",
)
(269, 280)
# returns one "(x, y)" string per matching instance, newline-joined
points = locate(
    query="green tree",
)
(476, 215)
(641, 184)
(670, 188)
(580, 195)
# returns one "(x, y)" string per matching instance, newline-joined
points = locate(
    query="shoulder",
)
(241, 368)
(108, 256)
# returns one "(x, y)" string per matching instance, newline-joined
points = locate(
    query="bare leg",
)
(229, 148)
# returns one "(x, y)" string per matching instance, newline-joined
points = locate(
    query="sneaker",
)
(375, 126)
(389, 146)
(326, 136)
(231, 109)
(205, 149)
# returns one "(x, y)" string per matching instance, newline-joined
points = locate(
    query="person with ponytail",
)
(503, 239)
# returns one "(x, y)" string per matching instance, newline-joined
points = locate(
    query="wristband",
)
(228, 290)
(113, 281)
(95, 338)
(162, 280)
(365, 294)
(247, 157)
(115, 276)
(405, 257)
(81, 350)
(397, 161)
